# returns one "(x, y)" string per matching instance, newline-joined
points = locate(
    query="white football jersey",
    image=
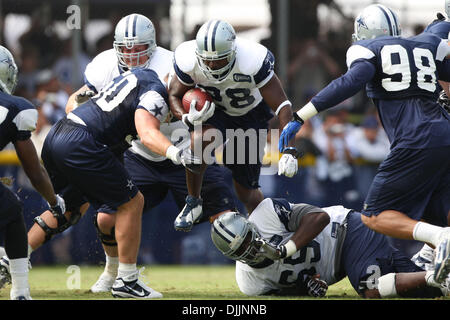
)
(239, 92)
(105, 67)
(319, 254)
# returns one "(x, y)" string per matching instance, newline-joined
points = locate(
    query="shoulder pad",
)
(250, 56)
(184, 57)
(26, 120)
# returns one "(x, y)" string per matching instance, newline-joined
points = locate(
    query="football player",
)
(153, 174)
(441, 28)
(300, 249)
(18, 119)
(400, 75)
(239, 75)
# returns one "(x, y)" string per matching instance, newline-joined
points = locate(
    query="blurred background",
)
(53, 41)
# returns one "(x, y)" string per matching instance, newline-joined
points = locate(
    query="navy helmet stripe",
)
(388, 20)
(218, 232)
(213, 40)
(206, 35)
(134, 25)
(126, 26)
(397, 33)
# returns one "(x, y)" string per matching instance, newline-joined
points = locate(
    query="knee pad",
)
(62, 224)
(106, 239)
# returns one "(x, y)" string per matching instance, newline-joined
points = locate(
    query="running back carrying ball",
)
(198, 94)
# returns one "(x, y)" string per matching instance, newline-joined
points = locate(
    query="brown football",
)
(198, 94)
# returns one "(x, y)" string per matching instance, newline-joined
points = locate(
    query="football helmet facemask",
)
(216, 41)
(8, 71)
(237, 238)
(132, 30)
(375, 21)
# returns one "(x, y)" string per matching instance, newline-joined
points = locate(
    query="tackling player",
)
(18, 119)
(300, 249)
(154, 174)
(400, 75)
(239, 75)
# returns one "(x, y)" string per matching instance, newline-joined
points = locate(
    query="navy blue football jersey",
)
(109, 115)
(18, 119)
(441, 28)
(400, 75)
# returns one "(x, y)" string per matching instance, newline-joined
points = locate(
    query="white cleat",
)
(5, 276)
(442, 261)
(190, 214)
(133, 287)
(424, 259)
(103, 284)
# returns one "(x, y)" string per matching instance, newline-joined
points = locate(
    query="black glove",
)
(315, 286)
(440, 17)
(84, 96)
(444, 101)
(59, 208)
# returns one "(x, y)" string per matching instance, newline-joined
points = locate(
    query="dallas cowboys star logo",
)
(157, 111)
(130, 184)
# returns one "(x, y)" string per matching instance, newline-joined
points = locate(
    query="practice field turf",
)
(175, 282)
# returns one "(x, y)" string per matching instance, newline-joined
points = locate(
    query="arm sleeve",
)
(298, 212)
(346, 86)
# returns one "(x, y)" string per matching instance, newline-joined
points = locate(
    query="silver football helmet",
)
(374, 21)
(447, 8)
(8, 71)
(131, 30)
(216, 41)
(237, 238)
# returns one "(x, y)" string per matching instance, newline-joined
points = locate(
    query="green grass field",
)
(175, 282)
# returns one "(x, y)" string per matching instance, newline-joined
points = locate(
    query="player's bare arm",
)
(147, 127)
(176, 92)
(34, 170)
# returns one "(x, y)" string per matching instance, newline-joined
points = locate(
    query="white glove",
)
(195, 116)
(288, 165)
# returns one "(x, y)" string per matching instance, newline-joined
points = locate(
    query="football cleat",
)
(133, 287)
(190, 214)
(5, 276)
(442, 261)
(103, 284)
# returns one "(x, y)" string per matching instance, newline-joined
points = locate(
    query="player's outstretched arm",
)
(77, 98)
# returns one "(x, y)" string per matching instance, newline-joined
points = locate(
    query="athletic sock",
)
(127, 271)
(111, 266)
(19, 274)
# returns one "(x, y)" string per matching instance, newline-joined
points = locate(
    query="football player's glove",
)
(194, 116)
(289, 132)
(315, 286)
(84, 96)
(59, 208)
(444, 101)
(288, 164)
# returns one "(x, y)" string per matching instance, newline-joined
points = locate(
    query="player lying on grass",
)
(300, 249)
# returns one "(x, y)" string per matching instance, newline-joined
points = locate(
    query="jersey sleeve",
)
(154, 102)
(360, 73)
(184, 62)
(25, 122)
(266, 71)
(97, 70)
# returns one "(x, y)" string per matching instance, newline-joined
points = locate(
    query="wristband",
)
(282, 105)
(308, 111)
(172, 153)
(291, 248)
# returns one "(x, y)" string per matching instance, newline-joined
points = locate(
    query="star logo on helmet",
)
(361, 23)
